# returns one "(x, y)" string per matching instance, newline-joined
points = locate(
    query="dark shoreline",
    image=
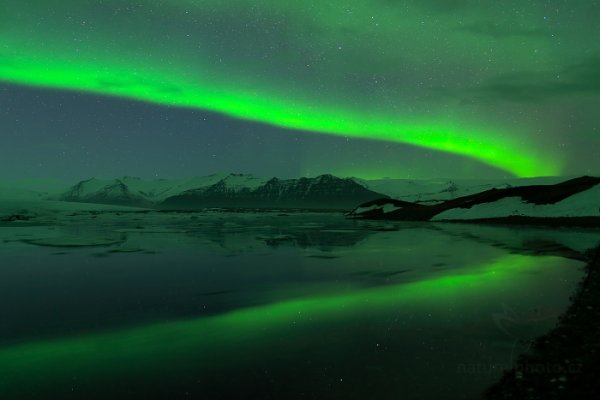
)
(555, 222)
(563, 363)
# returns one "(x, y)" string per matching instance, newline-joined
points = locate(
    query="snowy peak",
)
(105, 192)
(237, 182)
(325, 191)
(134, 191)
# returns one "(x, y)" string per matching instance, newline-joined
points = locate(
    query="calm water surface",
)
(271, 306)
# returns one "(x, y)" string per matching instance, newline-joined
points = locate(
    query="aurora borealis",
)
(366, 88)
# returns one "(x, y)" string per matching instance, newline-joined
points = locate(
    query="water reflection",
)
(268, 306)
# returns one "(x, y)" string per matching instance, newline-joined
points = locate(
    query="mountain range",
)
(442, 198)
(224, 191)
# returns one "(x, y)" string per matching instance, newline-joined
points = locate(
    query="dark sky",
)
(420, 89)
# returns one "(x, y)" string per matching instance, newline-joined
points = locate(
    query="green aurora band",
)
(216, 339)
(113, 51)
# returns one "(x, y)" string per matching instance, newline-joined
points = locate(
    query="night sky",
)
(369, 88)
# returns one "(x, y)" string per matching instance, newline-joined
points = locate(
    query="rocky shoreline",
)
(563, 363)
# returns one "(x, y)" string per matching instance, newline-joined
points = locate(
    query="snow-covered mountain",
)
(325, 191)
(101, 191)
(575, 198)
(223, 190)
(134, 191)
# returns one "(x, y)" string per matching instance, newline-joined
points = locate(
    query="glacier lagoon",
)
(107, 302)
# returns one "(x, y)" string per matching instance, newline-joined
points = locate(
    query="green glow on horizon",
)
(147, 348)
(115, 59)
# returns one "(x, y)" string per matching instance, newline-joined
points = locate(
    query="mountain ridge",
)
(223, 191)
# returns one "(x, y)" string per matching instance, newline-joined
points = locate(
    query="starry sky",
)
(367, 88)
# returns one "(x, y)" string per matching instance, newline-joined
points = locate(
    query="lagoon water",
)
(216, 305)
